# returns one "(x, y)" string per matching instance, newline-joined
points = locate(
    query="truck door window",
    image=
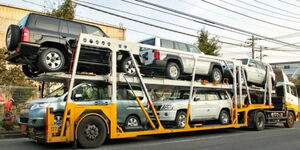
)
(182, 47)
(294, 91)
(223, 95)
(93, 30)
(167, 44)
(47, 23)
(74, 28)
(212, 96)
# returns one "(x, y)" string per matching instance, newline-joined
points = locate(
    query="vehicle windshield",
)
(58, 91)
(244, 61)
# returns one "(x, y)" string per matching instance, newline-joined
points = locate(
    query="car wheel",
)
(173, 71)
(224, 117)
(128, 66)
(132, 121)
(216, 75)
(290, 120)
(51, 60)
(180, 120)
(91, 132)
(29, 71)
(259, 121)
(13, 36)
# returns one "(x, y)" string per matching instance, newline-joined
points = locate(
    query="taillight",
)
(156, 54)
(24, 35)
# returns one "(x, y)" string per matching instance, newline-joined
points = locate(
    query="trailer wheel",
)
(91, 132)
(259, 121)
(180, 120)
(224, 117)
(290, 120)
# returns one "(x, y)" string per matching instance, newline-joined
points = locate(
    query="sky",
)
(284, 13)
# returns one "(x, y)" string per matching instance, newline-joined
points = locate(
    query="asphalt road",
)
(272, 138)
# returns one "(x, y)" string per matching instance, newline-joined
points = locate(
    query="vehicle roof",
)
(156, 37)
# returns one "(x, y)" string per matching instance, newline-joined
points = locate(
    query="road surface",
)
(272, 138)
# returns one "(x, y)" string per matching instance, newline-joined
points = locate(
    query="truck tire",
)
(128, 66)
(290, 120)
(173, 71)
(180, 120)
(259, 121)
(51, 60)
(91, 132)
(216, 75)
(13, 36)
(224, 117)
(29, 71)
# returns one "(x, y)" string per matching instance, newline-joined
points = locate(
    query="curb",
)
(11, 134)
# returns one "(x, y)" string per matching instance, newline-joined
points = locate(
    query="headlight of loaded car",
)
(167, 107)
(39, 105)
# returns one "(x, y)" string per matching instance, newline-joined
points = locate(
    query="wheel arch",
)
(58, 46)
(175, 59)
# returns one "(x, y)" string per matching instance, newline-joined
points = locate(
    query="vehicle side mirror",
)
(251, 65)
(197, 99)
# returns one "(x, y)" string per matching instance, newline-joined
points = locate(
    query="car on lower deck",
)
(176, 59)
(128, 111)
(206, 105)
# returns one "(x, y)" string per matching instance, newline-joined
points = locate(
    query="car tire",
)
(128, 66)
(91, 132)
(216, 75)
(224, 117)
(180, 120)
(29, 71)
(173, 71)
(13, 36)
(259, 121)
(51, 60)
(132, 121)
(290, 120)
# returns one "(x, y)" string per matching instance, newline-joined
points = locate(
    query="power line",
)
(267, 9)
(259, 12)
(289, 3)
(142, 22)
(187, 18)
(257, 19)
(276, 8)
(214, 22)
(154, 19)
(209, 10)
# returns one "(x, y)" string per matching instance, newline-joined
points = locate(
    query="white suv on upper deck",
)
(206, 105)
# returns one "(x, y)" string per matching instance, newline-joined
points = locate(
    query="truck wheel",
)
(13, 36)
(128, 66)
(132, 121)
(51, 60)
(259, 121)
(173, 71)
(290, 120)
(91, 132)
(180, 119)
(224, 117)
(216, 75)
(29, 71)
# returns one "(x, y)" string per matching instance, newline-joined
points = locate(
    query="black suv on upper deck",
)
(42, 43)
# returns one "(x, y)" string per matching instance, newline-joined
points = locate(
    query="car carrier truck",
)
(90, 125)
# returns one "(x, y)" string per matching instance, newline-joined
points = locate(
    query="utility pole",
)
(252, 44)
(260, 51)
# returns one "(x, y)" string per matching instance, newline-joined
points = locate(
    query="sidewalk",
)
(10, 134)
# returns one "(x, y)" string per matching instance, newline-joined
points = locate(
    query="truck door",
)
(198, 106)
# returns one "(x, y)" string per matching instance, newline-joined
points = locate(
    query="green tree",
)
(206, 45)
(12, 75)
(66, 10)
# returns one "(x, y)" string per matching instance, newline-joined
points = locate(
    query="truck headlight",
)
(167, 107)
(39, 105)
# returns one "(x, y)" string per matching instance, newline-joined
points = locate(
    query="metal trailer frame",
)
(74, 114)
